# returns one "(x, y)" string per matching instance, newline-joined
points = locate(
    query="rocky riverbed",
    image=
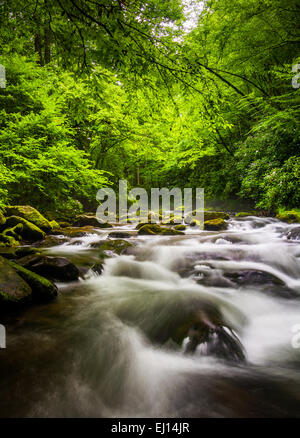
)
(149, 319)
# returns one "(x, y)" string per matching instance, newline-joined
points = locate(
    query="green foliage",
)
(98, 92)
(41, 164)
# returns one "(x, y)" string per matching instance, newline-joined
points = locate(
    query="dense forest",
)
(161, 93)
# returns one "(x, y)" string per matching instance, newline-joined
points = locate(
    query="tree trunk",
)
(38, 47)
(47, 45)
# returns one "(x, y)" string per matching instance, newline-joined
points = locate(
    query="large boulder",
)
(29, 231)
(196, 318)
(43, 290)
(13, 289)
(30, 214)
(53, 268)
(215, 225)
(90, 219)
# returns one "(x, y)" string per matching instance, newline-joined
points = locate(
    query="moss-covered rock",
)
(141, 224)
(54, 225)
(30, 214)
(13, 289)
(290, 217)
(207, 215)
(8, 240)
(74, 231)
(150, 229)
(211, 215)
(180, 227)
(53, 268)
(171, 232)
(51, 241)
(120, 235)
(14, 232)
(117, 246)
(215, 225)
(63, 224)
(2, 219)
(29, 230)
(90, 219)
(245, 214)
(43, 290)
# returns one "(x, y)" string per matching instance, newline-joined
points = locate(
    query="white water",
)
(101, 339)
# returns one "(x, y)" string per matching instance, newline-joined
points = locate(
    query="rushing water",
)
(101, 349)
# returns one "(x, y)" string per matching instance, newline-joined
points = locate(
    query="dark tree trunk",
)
(47, 50)
(38, 47)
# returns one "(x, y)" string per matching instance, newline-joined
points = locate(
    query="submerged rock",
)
(215, 225)
(251, 277)
(13, 289)
(263, 281)
(293, 234)
(30, 214)
(53, 268)
(165, 318)
(43, 290)
(220, 342)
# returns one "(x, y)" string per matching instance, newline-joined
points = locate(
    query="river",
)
(102, 348)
